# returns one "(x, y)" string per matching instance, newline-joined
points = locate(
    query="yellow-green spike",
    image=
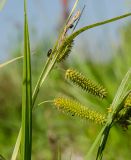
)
(65, 52)
(85, 83)
(76, 109)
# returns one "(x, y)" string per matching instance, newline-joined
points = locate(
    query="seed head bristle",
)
(76, 109)
(85, 83)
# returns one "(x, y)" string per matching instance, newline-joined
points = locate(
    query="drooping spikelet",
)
(76, 109)
(65, 52)
(85, 83)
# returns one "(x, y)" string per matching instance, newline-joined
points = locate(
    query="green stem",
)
(75, 34)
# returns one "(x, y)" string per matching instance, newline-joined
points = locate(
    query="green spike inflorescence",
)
(76, 109)
(85, 83)
(65, 52)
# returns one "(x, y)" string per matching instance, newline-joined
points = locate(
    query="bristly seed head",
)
(85, 83)
(76, 109)
(65, 52)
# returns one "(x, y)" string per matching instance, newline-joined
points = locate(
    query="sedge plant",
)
(56, 55)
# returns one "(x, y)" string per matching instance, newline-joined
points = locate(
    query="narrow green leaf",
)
(104, 138)
(12, 60)
(122, 90)
(26, 142)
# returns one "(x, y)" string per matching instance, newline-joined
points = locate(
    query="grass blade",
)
(26, 141)
(10, 61)
(17, 145)
(122, 90)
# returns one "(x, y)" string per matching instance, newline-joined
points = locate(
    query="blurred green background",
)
(53, 132)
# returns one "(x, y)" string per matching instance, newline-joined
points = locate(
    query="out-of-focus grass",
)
(60, 131)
